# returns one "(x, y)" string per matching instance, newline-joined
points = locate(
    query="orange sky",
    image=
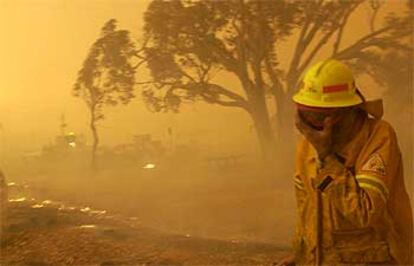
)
(43, 44)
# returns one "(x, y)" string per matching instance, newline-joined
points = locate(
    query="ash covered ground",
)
(220, 217)
(47, 234)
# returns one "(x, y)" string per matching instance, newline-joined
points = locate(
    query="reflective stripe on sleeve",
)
(298, 183)
(373, 183)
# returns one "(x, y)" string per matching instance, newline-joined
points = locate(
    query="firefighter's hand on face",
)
(321, 140)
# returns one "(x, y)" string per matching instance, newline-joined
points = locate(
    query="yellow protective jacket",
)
(353, 208)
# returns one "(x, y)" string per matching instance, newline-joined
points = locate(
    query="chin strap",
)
(374, 107)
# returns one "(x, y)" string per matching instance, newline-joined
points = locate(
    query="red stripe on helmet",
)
(335, 88)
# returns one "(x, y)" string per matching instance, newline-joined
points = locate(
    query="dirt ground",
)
(61, 213)
(49, 234)
(244, 203)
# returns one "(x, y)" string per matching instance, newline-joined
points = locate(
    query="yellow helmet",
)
(328, 84)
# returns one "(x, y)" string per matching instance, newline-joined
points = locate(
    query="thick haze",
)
(44, 43)
(197, 190)
(43, 46)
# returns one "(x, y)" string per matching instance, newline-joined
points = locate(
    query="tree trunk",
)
(95, 138)
(284, 123)
(260, 117)
(259, 112)
(284, 119)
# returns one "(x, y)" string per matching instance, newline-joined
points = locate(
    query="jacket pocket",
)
(360, 246)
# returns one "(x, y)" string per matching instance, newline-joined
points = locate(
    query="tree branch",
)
(242, 73)
(229, 61)
(364, 42)
(208, 98)
(221, 90)
(139, 64)
(342, 26)
(299, 46)
(316, 49)
(138, 52)
(277, 88)
(375, 5)
(217, 90)
(327, 36)
(145, 83)
(304, 40)
(211, 93)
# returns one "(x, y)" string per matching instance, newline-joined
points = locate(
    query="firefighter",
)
(352, 204)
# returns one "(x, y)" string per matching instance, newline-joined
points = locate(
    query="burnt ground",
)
(51, 234)
(176, 214)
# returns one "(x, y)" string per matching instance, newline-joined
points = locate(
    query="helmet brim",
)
(351, 101)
